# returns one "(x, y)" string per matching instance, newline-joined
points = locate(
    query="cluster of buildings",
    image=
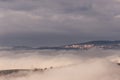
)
(76, 46)
(89, 46)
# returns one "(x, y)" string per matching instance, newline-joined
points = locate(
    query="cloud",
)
(79, 18)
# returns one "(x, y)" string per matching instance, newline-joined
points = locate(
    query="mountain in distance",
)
(103, 44)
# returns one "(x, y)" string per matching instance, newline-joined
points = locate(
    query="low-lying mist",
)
(94, 64)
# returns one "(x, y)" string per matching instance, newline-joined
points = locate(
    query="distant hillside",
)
(104, 44)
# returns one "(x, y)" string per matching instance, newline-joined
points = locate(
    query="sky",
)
(58, 22)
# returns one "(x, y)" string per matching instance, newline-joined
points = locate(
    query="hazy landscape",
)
(59, 39)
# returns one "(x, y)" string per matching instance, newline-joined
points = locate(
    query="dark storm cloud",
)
(52, 22)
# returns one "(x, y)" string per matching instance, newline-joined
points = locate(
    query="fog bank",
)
(67, 65)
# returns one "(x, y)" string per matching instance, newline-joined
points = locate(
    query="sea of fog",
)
(93, 64)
